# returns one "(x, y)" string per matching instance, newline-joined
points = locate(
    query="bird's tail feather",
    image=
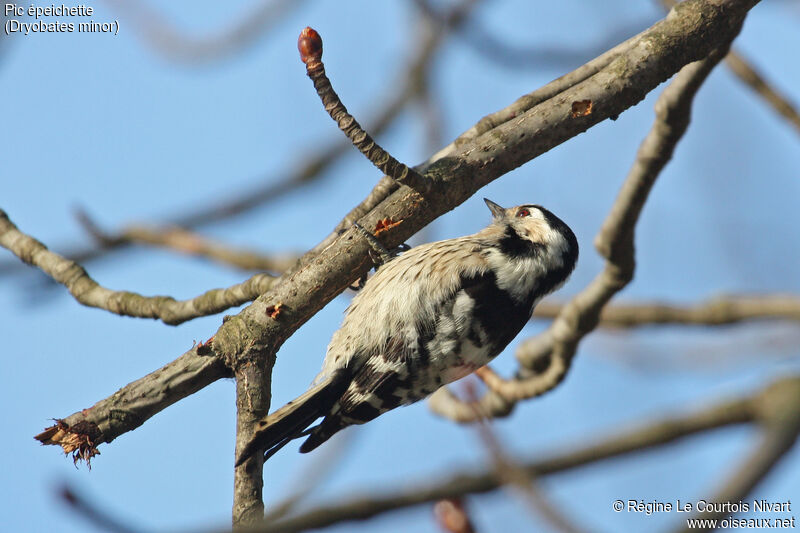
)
(289, 422)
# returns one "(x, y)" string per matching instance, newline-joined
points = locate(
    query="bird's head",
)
(533, 231)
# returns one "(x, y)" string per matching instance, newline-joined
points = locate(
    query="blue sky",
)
(110, 125)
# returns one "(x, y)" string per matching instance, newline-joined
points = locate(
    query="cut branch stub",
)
(310, 46)
(79, 440)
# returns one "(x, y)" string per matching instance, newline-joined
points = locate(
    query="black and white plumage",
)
(427, 318)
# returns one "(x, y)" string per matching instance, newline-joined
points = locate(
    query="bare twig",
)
(187, 242)
(729, 309)
(411, 80)
(545, 360)
(314, 474)
(650, 435)
(511, 473)
(751, 77)
(88, 292)
(748, 74)
(516, 57)
(310, 46)
(175, 45)
(101, 519)
(193, 244)
(777, 410)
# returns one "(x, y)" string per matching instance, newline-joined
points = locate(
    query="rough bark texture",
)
(253, 394)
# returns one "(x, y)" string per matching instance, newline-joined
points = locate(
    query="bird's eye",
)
(523, 212)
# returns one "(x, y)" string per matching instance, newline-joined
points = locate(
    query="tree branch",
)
(778, 412)
(751, 77)
(772, 447)
(253, 396)
(511, 474)
(713, 312)
(187, 242)
(175, 45)
(89, 293)
(129, 407)
(546, 359)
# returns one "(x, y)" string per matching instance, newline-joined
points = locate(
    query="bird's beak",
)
(497, 211)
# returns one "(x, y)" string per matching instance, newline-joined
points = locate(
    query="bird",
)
(426, 318)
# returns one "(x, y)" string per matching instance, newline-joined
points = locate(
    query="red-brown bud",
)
(310, 45)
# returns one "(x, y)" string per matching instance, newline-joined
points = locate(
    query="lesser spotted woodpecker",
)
(429, 317)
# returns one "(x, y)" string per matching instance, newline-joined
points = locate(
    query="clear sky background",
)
(108, 124)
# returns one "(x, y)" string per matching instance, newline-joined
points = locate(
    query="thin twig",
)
(748, 74)
(179, 46)
(751, 77)
(90, 293)
(101, 519)
(540, 55)
(310, 46)
(513, 474)
(187, 242)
